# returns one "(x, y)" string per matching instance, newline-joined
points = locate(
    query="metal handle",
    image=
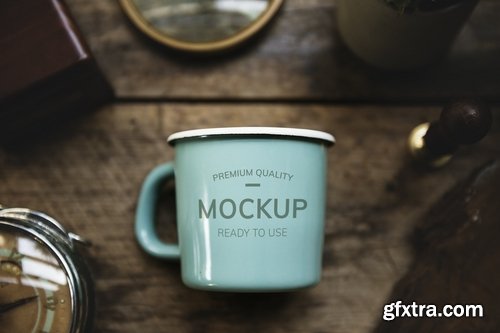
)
(145, 215)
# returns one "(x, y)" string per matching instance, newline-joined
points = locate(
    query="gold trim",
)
(417, 148)
(140, 22)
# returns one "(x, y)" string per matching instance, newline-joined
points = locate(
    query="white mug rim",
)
(258, 131)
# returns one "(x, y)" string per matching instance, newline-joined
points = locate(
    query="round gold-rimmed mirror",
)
(200, 25)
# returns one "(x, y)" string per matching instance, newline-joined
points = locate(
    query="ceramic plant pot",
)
(391, 39)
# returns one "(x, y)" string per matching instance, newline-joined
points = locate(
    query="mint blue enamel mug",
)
(250, 207)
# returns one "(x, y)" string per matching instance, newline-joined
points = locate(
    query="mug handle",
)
(145, 214)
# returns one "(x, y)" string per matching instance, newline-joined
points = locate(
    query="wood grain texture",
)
(299, 57)
(88, 175)
(457, 259)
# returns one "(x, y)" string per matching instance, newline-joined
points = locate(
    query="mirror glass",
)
(199, 21)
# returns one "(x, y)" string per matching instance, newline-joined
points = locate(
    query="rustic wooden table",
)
(296, 74)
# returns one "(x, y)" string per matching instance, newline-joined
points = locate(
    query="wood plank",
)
(457, 260)
(88, 176)
(299, 57)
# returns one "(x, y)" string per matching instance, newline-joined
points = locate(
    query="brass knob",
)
(462, 122)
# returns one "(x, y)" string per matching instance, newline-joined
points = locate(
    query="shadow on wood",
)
(457, 259)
